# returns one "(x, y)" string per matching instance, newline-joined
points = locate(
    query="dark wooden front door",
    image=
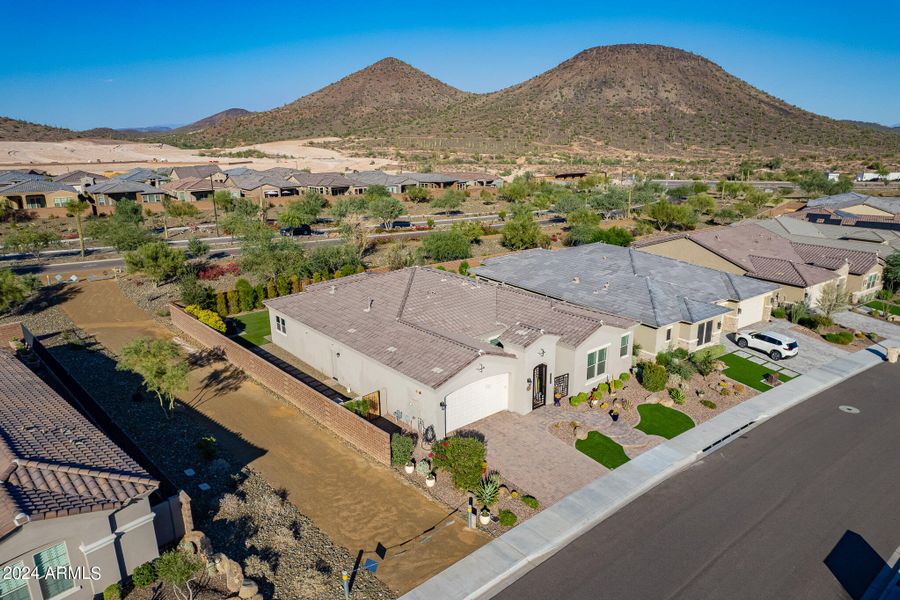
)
(539, 386)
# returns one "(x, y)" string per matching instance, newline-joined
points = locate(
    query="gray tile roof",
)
(252, 181)
(36, 186)
(654, 290)
(195, 171)
(325, 179)
(75, 177)
(123, 186)
(839, 201)
(140, 174)
(381, 178)
(240, 171)
(882, 241)
(10, 177)
(430, 324)
(431, 177)
(53, 461)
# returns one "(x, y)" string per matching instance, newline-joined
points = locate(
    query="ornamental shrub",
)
(401, 449)
(221, 306)
(113, 592)
(234, 302)
(779, 312)
(708, 404)
(246, 295)
(270, 289)
(260, 294)
(578, 399)
(677, 395)
(283, 285)
(295, 284)
(144, 575)
(531, 502)
(423, 467)
(207, 317)
(843, 337)
(617, 384)
(208, 447)
(624, 377)
(463, 458)
(653, 377)
(507, 517)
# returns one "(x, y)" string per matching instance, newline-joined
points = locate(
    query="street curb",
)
(499, 563)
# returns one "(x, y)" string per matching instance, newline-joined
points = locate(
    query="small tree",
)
(157, 260)
(14, 288)
(833, 298)
(892, 272)
(76, 208)
(30, 240)
(197, 248)
(179, 570)
(161, 365)
(522, 232)
(446, 245)
(345, 206)
(304, 211)
(386, 209)
(357, 234)
(449, 201)
(703, 203)
(417, 194)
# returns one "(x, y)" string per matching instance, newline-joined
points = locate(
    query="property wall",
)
(344, 423)
(692, 252)
(115, 542)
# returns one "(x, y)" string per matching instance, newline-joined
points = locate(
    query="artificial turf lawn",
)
(879, 305)
(749, 373)
(602, 449)
(255, 327)
(663, 421)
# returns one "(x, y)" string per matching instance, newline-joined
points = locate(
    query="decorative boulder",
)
(234, 576)
(651, 399)
(581, 433)
(248, 589)
(666, 402)
(197, 543)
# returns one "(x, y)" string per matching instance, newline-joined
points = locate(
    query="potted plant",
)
(488, 493)
(430, 480)
(485, 515)
(409, 467)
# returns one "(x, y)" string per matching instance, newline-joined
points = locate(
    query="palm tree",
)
(76, 208)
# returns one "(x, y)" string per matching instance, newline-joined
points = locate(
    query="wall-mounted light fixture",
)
(542, 352)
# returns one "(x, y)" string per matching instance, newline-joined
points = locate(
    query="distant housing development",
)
(854, 210)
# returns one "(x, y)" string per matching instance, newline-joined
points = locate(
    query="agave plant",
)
(489, 491)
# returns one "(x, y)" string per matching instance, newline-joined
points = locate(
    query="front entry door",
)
(539, 386)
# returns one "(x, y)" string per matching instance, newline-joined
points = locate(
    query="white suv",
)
(776, 345)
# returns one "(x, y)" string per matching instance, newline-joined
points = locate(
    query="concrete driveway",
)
(866, 323)
(814, 351)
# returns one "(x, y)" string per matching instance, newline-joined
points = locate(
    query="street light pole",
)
(212, 189)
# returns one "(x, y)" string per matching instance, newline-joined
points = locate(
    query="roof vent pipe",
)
(577, 279)
(331, 291)
(369, 308)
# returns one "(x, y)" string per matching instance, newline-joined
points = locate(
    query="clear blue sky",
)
(133, 63)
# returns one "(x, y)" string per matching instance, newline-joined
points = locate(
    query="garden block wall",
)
(11, 331)
(346, 424)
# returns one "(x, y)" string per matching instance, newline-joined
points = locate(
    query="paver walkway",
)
(866, 324)
(359, 504)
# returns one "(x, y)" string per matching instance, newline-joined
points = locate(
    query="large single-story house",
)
(395, 184)
(198, 172)
(330, 184)
(79, 179)
(72, 503)
(852, 209)
(802, 270)
(442, 350)
(882, 241)
(259, 186)
(677, 304)
(9, 177)
(143, 175)
(469, 179)
(437, 181)
(106, 193)
(36, 194)
(196, 189)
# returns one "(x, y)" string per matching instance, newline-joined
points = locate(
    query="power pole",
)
(212, 189)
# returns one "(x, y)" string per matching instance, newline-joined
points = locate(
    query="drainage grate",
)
(730, 435)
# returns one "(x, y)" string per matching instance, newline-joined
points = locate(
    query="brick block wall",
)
(348, 425)
(11, 331)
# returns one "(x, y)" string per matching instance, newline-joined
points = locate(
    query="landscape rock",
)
(651, 399)
(581, 433)
(248, 589)
(666, 402)
(234, 576)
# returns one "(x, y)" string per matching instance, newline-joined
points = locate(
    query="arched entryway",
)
(539, 386)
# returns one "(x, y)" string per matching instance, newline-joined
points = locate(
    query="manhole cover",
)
(849, 409)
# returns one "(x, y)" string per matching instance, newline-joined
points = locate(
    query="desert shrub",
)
(704, 362)
(234, 302)
(113, 592)
(463, 458)
(464, 267)
(624, 377)
(664, 359)
(680, 353)
(401, 449)
(446, 245)
(578, 399)
(677, 395)
(178, 569)
(843, 337)
(738, 388)
(207, 317)
(683, 368)
(208, 447)
(507, 517)
(144, 575)
(221, 306)
(260, 294)
(246, 295)
(822, 320)
(488, 491)
(708, 404)
(653, 377)
(192, 291)
(423, 467)
(779, 312)
(531, 502)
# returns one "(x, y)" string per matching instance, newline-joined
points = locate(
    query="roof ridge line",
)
(88, 471)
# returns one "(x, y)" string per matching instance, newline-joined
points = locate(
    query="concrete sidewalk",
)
(507, 558)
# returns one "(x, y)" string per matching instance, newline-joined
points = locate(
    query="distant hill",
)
(212, 120)
(23, 131)
(878, 126)
(384, 95)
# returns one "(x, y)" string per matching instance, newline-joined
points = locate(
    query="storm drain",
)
(849, 409)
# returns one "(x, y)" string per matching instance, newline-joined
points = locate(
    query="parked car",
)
(775, 344)
(292, 231)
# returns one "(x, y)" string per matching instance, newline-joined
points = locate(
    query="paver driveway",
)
(814, 351)
(866, 323)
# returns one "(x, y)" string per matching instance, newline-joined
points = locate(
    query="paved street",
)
(803, 506)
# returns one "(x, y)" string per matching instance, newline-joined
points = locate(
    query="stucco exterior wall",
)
(869, 211)
(693, 253)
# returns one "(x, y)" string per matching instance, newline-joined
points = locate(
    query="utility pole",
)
(212, 189)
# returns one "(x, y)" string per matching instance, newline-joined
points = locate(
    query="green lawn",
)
(602, 449)
(747, 372)
(879, 305)
(663, 421)
(253, 327)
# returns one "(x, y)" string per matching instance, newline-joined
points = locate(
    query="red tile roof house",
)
(801, 269)
(443, 350)
(70, 498)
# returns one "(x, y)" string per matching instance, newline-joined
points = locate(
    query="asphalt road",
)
(802, 506)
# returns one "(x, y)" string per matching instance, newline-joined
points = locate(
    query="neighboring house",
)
(395, 184)
(883, 241)
(436, 181)
(196, 189)
(8, 178)
(258, 186)
(240, 171)
(802, 270)
(676, 303)
(37, 194)
(439, 349)
(852, 210)
(143, 175)
(465, 180)
(70, 498)
(79, 179)
(198, 172)
(106, 193)
(329, 184)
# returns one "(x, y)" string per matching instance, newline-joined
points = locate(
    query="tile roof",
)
(255, 180)
(381, 178)
(192, 184)
(53, 461)
(37, 186)
(10, 177)
(123, 186)
(195, 171)
(76, 177)
(652, 289)
(140, 174)
(430, 324)
(325, 179)
(431, 177)
(240, 171)
(786, 271)
(839, 201)
(471, 176)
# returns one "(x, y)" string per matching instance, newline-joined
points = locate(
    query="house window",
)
(871, 280)
(101, 199)
(12, 588)
(669, 334)
(704, 333)
(596, 363)
(181, 196)
(35, 201)
(623, 346)
(151, 198)
(280, 324)
(52, 566)
(60, 202)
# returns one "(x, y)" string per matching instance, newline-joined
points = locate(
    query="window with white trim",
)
(14, 589)
(871, 280)
(52, 566)
(60, 202)
(280, 324)
(623, 345)
(596, 363)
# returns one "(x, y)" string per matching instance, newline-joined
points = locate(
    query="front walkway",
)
(867, 324)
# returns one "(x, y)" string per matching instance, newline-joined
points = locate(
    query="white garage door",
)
(477, 400)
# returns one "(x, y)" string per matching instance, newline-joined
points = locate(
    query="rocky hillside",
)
(213, 120)
(23, 131)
